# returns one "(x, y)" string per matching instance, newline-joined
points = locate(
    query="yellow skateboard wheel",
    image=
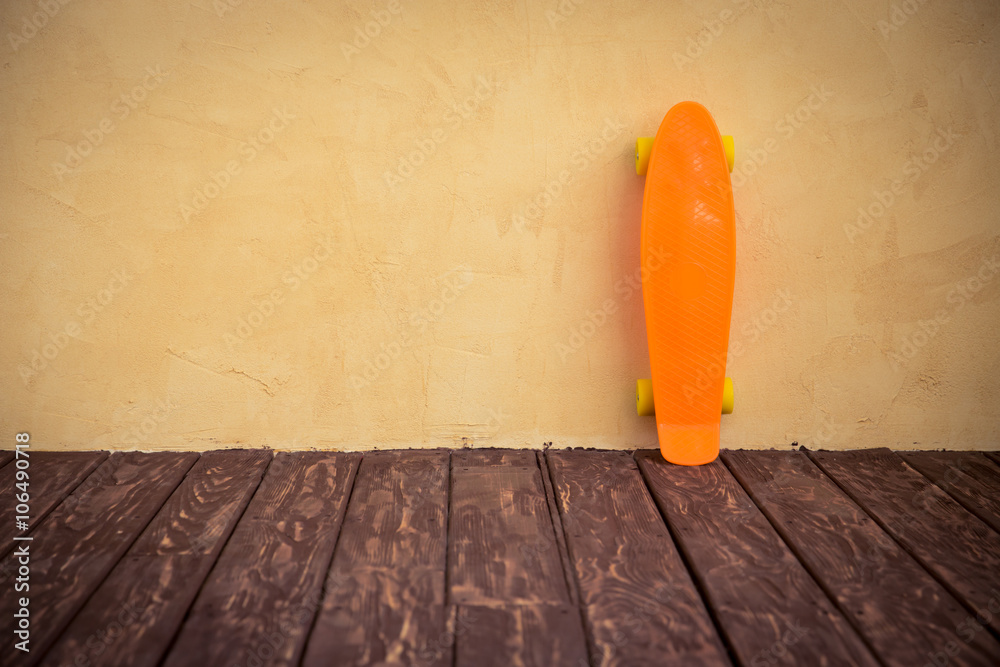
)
(644, 397)
(727, 143)
(643, 149)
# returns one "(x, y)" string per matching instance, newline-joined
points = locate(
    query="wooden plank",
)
(6, 456)
(640, 603)
(505, 574)
(501, 539)
(131, 619)
(83, 538)
(769, 607)
(971, 478)
(901, 610)
(553, 502)
(52, 476)
(995, 456)
(465, 458)
(385, 594)
(961, 551)
(537, 635)
(260, 598)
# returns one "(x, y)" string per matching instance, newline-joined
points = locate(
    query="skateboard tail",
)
(688, 445)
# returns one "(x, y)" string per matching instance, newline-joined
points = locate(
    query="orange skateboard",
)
(688, 265)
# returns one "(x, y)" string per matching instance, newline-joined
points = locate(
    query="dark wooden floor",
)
(505, 557)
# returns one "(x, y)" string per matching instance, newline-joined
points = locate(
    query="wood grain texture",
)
(260, 598)
(52, 477)
(6, 456)
(640, 603)
(566, 559)
(83, 538)
(553, 503)
(902, 611)
(131, 619)
(538, 635)
(506, 575)
(385, 594)
(953, 544)
(502, 545)
(768, 605)
(971, 478)
(493, 457)
(995, 456)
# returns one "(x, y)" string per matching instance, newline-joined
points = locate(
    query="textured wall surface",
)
(393, 223)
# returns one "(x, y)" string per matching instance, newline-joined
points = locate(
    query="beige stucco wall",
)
(246, 223)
